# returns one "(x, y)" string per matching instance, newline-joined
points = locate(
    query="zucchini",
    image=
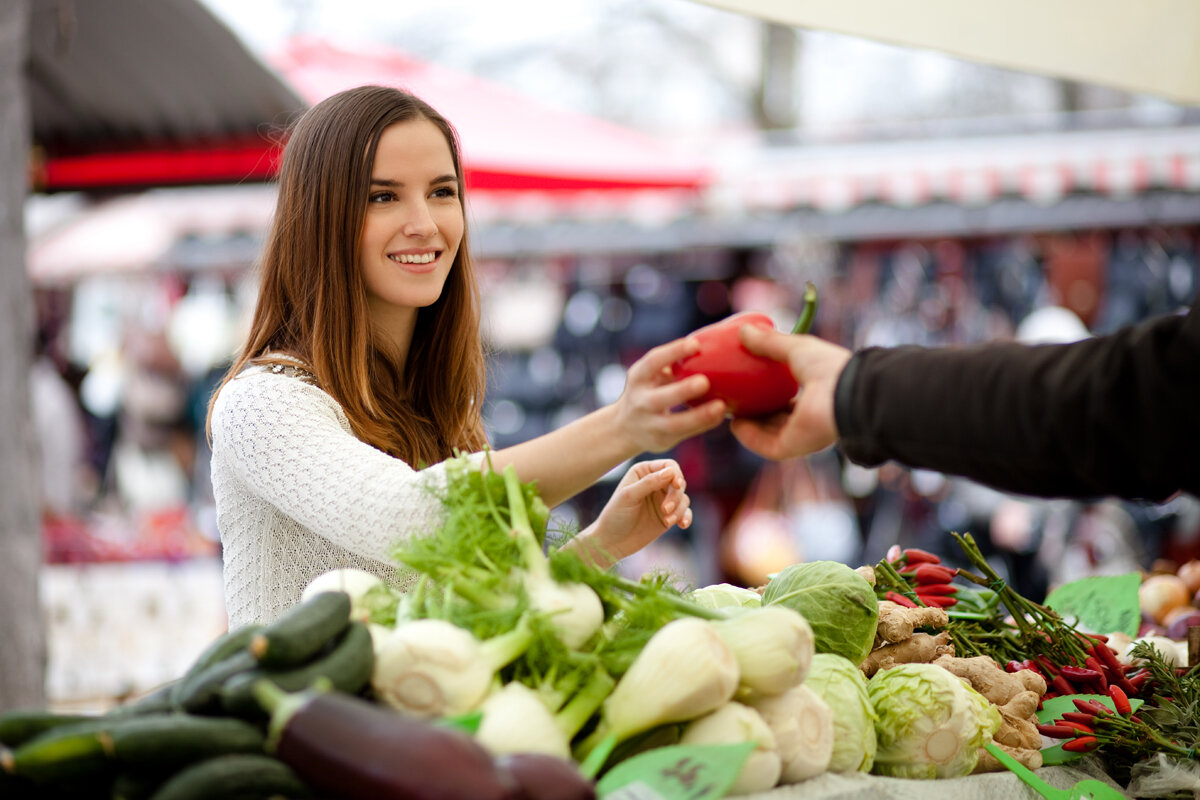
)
(200, 693)
(302, 631)
(87, 749)
(20, 725)
(240, 776)
(347, 666)
(139, 784)
(221, 648)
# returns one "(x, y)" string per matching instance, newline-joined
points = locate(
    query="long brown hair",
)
(312, 303)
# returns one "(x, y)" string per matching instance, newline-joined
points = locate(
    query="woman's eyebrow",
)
(388, 182)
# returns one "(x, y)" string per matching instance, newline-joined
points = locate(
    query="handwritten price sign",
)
(1101, 604)
(677, 772)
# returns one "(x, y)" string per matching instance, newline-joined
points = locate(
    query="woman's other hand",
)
(650, 498)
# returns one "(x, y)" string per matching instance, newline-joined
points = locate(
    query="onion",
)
(1161, 594)
(1190, 573)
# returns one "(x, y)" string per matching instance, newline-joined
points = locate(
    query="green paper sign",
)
(676, 772)
(1102, 603)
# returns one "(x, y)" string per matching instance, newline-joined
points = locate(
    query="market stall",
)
(489, 661)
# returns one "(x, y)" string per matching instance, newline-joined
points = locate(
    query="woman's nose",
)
(419, 221)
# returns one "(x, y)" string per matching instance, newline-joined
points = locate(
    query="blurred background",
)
(635, 170)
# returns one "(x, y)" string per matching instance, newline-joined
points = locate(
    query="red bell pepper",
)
(750, 385)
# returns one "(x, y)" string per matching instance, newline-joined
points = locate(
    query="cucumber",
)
(241, 776)
(176, 739)
(61, 753)
(156, 701)
(139, 784)
(20, 725)
(200, 693)
(221, 648)
(348, 667)
(153, 740)
(302, 631)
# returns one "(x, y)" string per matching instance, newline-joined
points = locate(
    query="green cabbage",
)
(843, 687)
(930, 723)
(838, 603)
(725, 597)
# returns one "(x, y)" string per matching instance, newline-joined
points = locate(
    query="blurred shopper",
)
(364, 371)
(1111, 415)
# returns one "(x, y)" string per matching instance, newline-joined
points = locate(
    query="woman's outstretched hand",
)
(650, 498)
(649, 410)
(810, 425)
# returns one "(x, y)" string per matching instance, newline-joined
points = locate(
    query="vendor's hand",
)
(810, 425)
(650, 498)
(648, 411)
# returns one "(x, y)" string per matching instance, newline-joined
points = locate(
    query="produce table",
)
(986, 786)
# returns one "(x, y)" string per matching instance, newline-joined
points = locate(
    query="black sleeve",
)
(1115, 415)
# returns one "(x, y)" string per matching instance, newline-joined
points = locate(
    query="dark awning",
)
(127, 94)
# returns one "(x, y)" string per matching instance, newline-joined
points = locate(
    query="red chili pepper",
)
(1029, 664)
(1077, 726)
(1080, 674)
(1096, 666)
(1062, 686)
(1081, 745)
(1107, 657)
(934, 573)
(1120, 700)
(1099, 637)
(915, 555)
(937, 588)
(1138, 680)
(1056, 731)
(1013, 666)
(899, 599)
(937, 600)
(1048, 669)
(1092, 707)
(1078, 716)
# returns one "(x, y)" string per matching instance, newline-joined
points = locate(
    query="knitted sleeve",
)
(289, 444)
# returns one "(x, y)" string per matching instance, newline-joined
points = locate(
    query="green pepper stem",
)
(809, 312)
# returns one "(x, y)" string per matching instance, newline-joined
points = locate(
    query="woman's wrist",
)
(584, 545)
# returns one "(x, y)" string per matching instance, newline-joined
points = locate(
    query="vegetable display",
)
(510, 668)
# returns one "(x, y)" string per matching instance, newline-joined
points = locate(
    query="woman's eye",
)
(446, 191)
(380, 197)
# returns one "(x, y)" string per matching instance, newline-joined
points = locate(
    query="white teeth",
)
(423, 258)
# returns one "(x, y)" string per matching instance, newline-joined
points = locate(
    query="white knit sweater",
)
(298, 494)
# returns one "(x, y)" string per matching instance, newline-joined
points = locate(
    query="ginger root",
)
(1016, 695)
(897, 622)
(1030, 758)
(919, 648)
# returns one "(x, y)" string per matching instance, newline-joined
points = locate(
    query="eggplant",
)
(539, 776)
(346, 747)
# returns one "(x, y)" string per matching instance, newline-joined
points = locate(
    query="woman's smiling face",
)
(414, 222)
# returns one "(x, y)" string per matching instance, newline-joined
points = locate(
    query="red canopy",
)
(510, 141)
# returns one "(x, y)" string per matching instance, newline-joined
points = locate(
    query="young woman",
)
(364, 371)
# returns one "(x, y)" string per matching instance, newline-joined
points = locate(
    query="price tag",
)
(1101, 604)
(676, 772)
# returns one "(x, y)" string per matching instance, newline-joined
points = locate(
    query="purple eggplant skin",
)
(352, 749)
(544, 777)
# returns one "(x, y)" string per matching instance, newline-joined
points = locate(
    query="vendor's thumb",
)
(766, 342)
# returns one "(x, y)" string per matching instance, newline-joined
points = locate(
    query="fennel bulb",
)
(734, 722)
(515, 720)
(773, 646)
(803, 726)
(429, 667)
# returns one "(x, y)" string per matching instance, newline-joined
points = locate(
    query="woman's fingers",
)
(660, 358)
